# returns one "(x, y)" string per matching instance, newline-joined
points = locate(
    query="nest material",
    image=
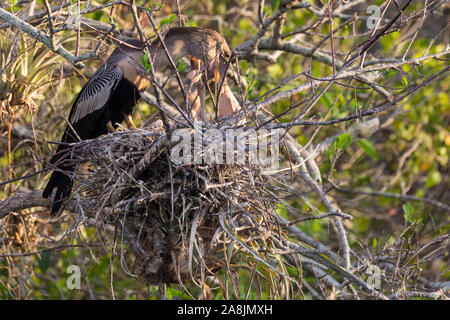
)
(181, 221)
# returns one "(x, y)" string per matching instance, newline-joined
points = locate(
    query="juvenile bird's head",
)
(204, 47)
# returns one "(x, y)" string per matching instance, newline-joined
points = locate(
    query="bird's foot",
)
(110, 127)
(130, 122)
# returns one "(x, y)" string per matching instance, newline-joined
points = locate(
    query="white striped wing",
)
(96, 92)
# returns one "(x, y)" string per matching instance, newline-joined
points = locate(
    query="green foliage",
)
(146, 62)
(169, 20)
(368, 148)
(172, 292)
(44, 262)
(361, 224)
(341, 143)
(180, 65)
(275, 5)
(410, 214)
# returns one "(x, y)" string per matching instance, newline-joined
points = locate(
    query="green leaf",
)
(374, 243)
(181, 66)
(282, 210)
(275, 5)
(172, 292)
(433, 178)
(44, 262)
(343, 141)
(98, 15)
(332, 150)
(146, 63)
(368, 148)
(404, 82)
(168, 20)
(250, 76)
(361, 224)
(408, 210)
(14, 6)
(327, 100)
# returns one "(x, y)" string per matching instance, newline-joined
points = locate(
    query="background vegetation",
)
(369, 105)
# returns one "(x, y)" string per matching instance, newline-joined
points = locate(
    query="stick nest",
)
(180, 222)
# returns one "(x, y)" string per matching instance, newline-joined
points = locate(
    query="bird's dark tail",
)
(63, 183)
(61, 179)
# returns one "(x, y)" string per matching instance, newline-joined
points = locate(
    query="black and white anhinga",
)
(107, 99)
(110, 95)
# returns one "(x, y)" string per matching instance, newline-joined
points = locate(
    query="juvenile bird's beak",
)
(216, 71)
(227, 102)
(194, 76)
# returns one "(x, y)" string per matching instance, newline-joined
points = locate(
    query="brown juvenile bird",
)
(200, 45)
(111, 94)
